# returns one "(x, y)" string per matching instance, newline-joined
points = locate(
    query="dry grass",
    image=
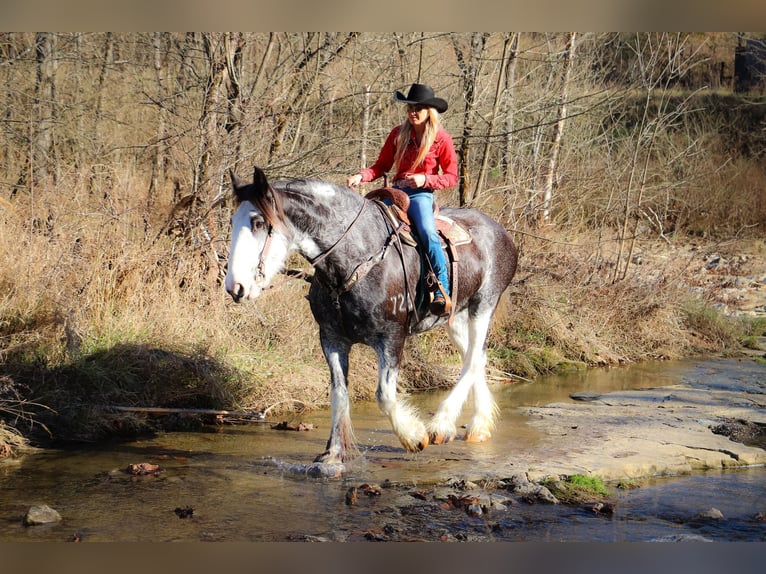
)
(97, 311)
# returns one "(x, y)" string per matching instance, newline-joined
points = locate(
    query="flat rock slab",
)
(652, 432)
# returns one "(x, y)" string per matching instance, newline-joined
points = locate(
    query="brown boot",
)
(441, 305)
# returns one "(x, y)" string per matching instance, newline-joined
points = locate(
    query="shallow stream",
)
(239, 483)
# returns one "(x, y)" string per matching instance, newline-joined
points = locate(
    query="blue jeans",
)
(421, 214)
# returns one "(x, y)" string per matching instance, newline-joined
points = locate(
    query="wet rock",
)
(539, 493)
(325, 470)
(42, 514)
(464, 485)
(143, 469)
(369, 490)
(352, 496)
(585, 397)
(530, 492)
(604, 508)
(185, 512)
(681, 538)
(712, 514)
(286, 425)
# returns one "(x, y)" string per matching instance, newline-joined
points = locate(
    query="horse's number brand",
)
(397, 303)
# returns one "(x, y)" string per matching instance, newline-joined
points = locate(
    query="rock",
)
(583, 396)
(712, 514)
(325, 470)
(43, 514)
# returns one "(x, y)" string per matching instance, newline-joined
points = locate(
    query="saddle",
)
(395, 203)
(449, 230)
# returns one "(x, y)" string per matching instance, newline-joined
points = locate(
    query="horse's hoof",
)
(478, 436)
(416, 447)
(440, 438)
(325, 470)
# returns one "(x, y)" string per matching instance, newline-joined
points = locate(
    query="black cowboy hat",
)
(424, 95)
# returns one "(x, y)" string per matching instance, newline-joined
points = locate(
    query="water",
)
(236, 484)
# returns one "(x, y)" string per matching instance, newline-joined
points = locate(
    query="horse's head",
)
(259, 242)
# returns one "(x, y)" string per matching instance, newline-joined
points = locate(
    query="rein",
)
(357, 274)
(318, 259)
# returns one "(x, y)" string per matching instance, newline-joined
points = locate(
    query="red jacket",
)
(441, 154)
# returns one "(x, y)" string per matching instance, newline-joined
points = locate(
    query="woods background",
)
(114, 195)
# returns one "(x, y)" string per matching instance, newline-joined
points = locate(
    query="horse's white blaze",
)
(246, 252)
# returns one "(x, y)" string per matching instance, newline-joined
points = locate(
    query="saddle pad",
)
(452, 230)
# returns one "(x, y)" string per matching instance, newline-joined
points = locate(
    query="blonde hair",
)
(429, 135)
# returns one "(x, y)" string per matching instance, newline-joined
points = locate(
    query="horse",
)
(364, 290)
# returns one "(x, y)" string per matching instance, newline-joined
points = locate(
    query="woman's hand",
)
(415, 179)
(354, 180)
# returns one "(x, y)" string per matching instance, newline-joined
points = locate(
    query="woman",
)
(416, 150)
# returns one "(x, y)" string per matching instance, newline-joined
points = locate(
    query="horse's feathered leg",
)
(468, 334)
(485, 409)
(341, 445)
(403, 416)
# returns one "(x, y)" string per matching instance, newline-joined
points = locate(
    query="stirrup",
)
(441, 304)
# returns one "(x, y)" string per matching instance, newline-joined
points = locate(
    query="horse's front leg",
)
(340, 446)
(403, 416)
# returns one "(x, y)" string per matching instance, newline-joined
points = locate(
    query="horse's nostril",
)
(237, 292)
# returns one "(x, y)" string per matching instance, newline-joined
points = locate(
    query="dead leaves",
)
(369, 490)
(143, 469)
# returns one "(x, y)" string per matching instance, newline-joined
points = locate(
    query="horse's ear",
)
(236, 182)
(259, 179)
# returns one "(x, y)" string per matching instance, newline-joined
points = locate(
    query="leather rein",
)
(354, 277)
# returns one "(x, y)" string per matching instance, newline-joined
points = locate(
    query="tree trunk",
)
(558, 128)
(209, 118)
(469, 71)
(507, 109)
(495, 113)
(158, 152)
(43, 151)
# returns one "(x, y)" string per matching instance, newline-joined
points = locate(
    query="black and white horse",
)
(364, 290)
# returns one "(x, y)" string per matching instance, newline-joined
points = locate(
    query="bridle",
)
(358, 272)
(260, 269)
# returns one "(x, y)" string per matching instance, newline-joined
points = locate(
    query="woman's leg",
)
(421, 214)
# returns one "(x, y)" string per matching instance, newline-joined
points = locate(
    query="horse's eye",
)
(257, 223)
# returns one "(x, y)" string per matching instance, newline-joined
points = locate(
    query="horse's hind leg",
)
(468, 333)
(403, 416)
(340, 446)
(484, 407)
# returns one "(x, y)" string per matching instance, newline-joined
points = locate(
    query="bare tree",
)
(42, 133)
(544, 213)
(470, 67)
(159, 41)
(508, 42)
(507, 109)
(330, 46)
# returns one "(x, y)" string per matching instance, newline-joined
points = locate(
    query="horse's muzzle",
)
(237, 292)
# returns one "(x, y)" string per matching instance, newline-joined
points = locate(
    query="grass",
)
(578, 489)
